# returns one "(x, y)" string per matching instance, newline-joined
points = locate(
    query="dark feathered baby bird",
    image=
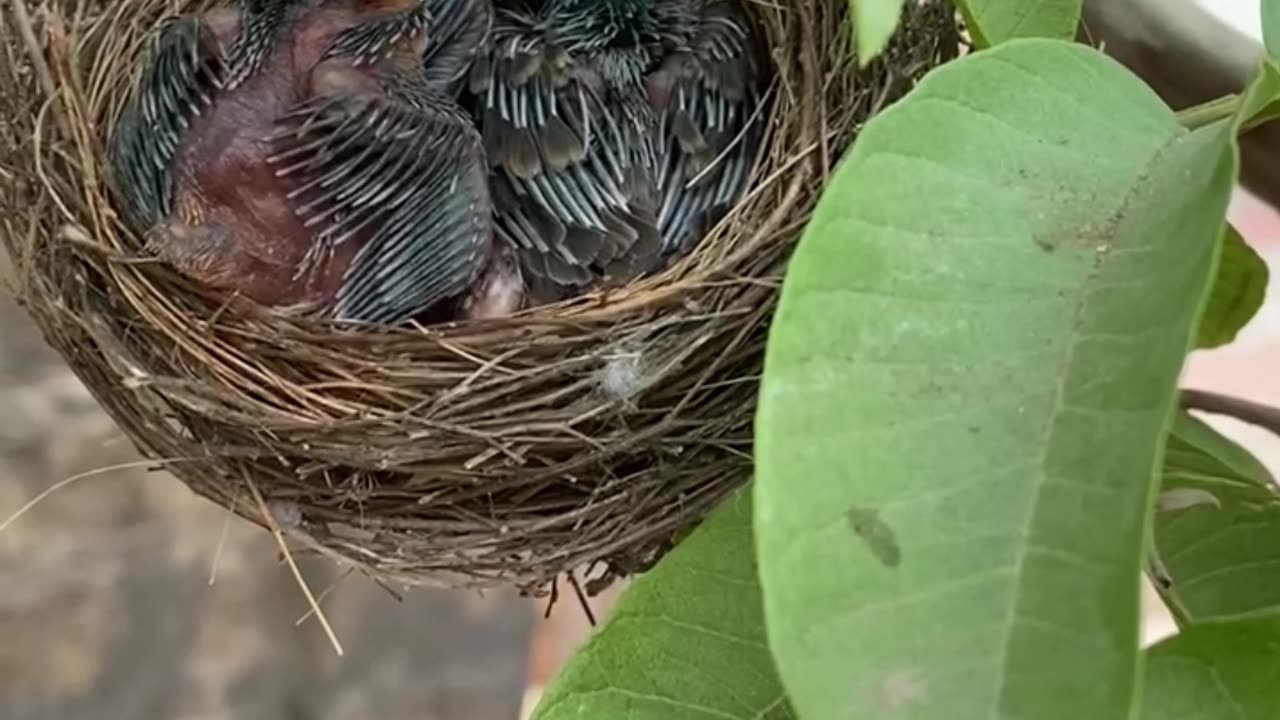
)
(618, 130)
(302, 152)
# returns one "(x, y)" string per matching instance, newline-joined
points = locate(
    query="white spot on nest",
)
(623, 376)
(286, 513)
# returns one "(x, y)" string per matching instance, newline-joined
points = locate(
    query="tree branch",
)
(1263, 416)
(1188, 57)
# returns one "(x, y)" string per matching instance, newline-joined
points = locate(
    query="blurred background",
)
(128, 598)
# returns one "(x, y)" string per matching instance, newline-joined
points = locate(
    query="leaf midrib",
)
(1041, 479)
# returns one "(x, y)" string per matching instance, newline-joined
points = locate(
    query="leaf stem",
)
(1263, 416)
(1162, 581)
(1207, 113)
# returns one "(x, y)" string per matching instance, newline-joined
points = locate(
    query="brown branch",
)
(1188, 57)
(1263, 416)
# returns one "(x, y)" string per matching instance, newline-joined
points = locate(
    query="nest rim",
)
(508, 451)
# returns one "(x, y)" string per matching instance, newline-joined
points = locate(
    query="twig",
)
(22, 17)
(582, 598)
(555, 597)
(78, 477)
(324, 594)
(1264, 416)
(288, 557)
(222, 541)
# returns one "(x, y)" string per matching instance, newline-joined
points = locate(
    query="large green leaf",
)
(1271, 26)
(991, 22)
(968, 379)
(1215, 672)
(1218, 532)
(874, 22)
(1238, 292)
(686, 642)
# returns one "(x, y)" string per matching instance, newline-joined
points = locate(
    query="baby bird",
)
(301, 152)
(618, 131)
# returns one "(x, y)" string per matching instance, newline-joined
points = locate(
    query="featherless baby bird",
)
(311, 153)
(618, 131)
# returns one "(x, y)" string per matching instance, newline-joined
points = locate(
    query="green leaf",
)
(686, 641)
(992, 22)
(1238, 292)
(970, 373)
(1266, 114)
(1261, 100)
(874, 22)
(1241, 285)
(1222, 556)
(1196, 453)
(1215, 672)
(1271, 27)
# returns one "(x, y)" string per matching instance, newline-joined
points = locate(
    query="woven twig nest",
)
(588, 433)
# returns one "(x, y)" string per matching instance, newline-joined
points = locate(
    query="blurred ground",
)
(107, 612)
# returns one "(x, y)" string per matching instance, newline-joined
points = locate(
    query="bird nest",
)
(586, 434)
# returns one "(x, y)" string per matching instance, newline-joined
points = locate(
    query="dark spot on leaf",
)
(1044, 243)
(878, 536)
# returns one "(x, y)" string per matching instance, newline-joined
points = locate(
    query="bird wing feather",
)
(573, 163)
(710, 134)
(261, 22)
(403, 170)
(375, 40)
(183, 70)
(459, 30)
